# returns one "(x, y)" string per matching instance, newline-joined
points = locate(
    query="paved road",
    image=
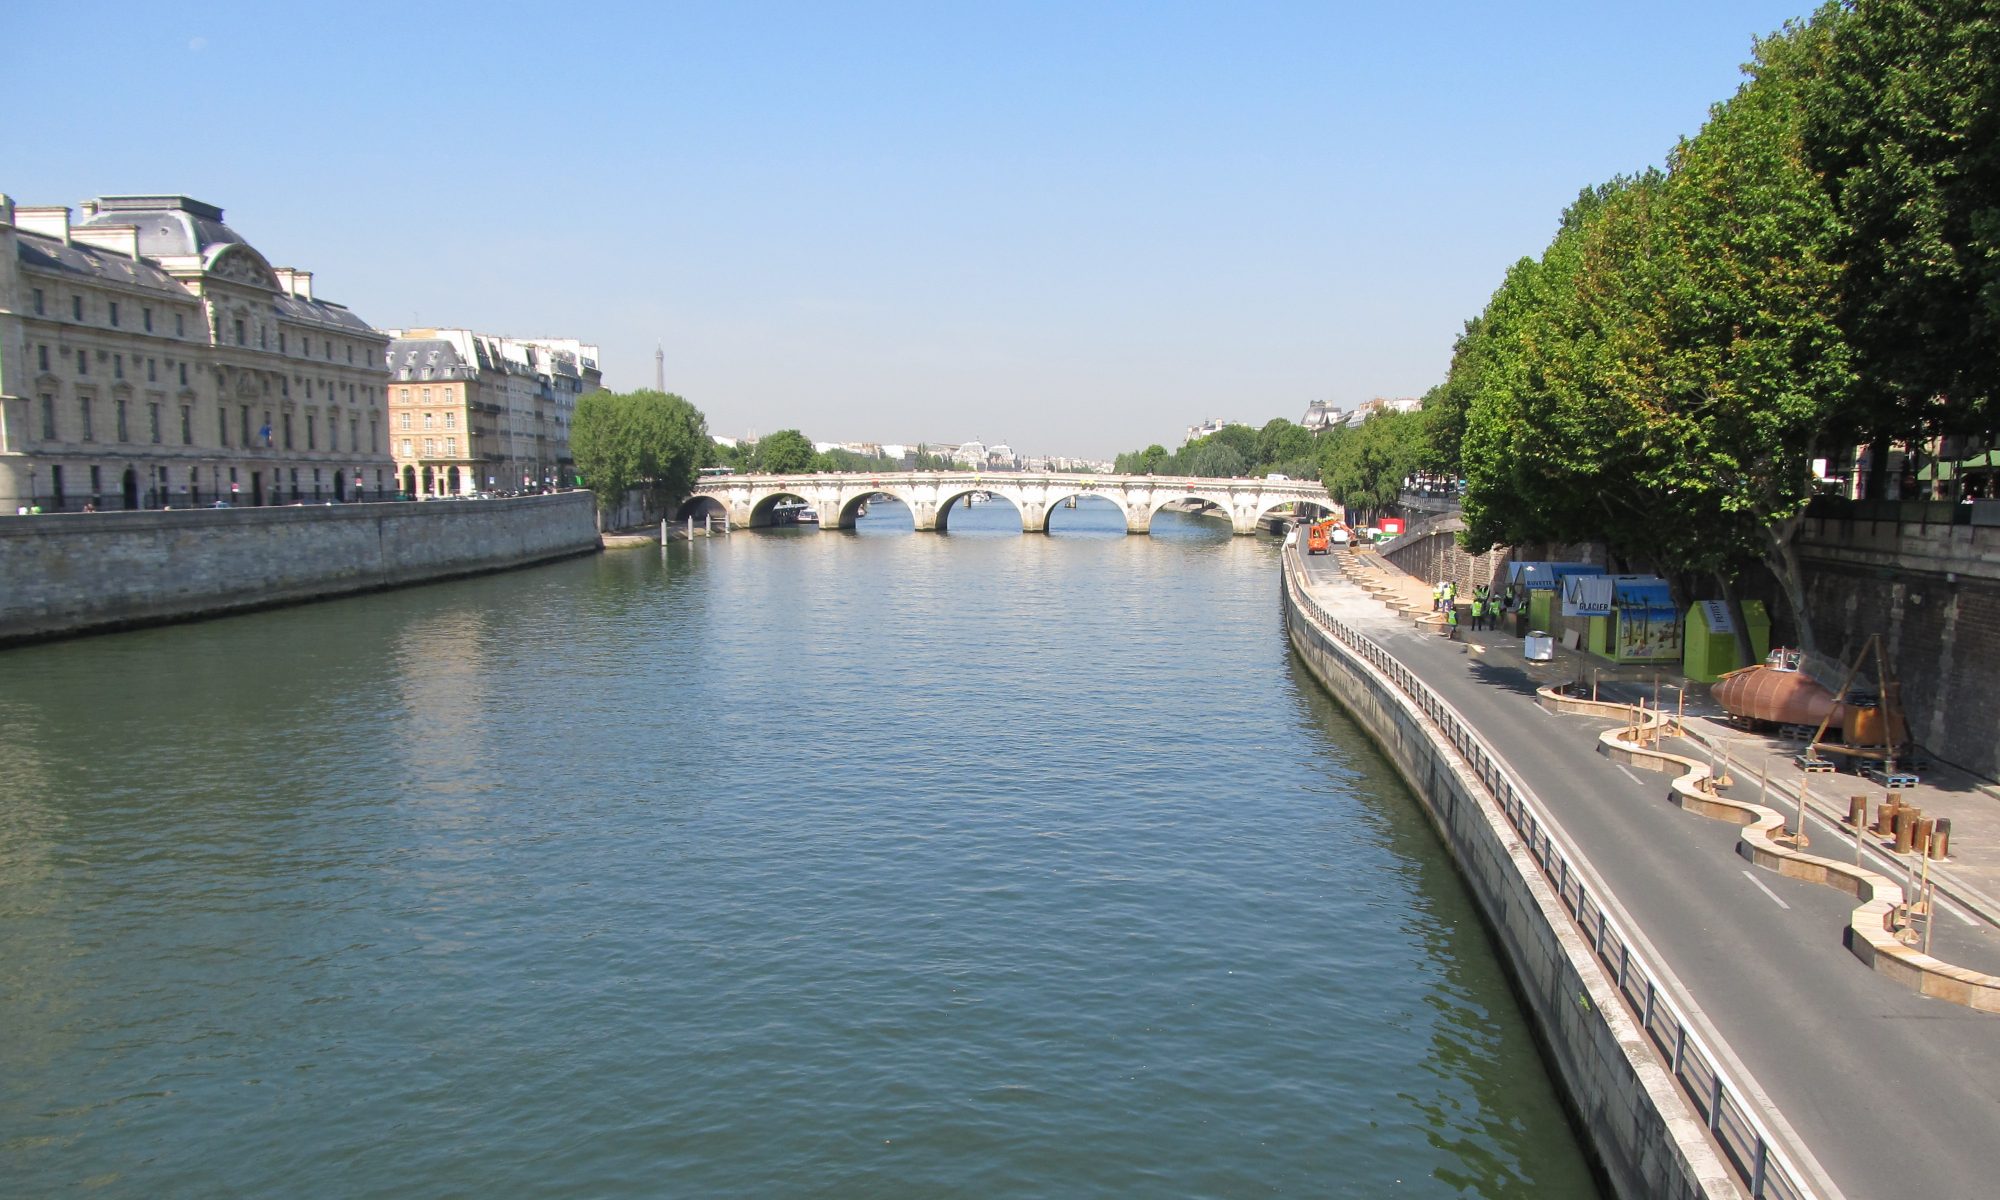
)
(1894, 1094)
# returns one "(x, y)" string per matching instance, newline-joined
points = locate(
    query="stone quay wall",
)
(1933, 593)
(1647, 1142)
(73, 573)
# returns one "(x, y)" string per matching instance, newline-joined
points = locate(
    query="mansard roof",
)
(48, 254)
(168, 225)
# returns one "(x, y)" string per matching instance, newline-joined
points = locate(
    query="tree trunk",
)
(1782, 558)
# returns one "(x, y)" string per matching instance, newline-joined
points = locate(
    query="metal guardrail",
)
(1762, 1164)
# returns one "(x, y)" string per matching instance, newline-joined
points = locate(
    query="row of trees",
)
(652, 441)
(789, 452)
(1232, 452)
(1363, 465)
(1817, 268)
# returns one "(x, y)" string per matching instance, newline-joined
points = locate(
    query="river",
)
(793, 864)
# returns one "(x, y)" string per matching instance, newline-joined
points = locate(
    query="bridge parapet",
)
(930, 495)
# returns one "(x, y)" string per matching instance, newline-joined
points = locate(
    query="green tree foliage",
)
(1364, 467)
(786, 452)
(1660, 378)
(1905, 129)
(838, 459)
(648, 440)
(1235, 451)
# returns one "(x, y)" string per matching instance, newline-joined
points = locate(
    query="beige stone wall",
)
(77, 573)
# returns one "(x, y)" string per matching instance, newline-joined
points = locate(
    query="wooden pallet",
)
(1894, 781)
(1812, 763)
(1796, 733)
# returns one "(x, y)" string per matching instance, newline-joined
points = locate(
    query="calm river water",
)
(797, 864)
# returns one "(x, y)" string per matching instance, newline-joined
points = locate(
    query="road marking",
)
(1623, 769)
(1767, 891)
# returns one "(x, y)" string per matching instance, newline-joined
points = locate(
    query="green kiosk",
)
(1711, 638)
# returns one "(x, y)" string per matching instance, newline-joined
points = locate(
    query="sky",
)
(1075, 228)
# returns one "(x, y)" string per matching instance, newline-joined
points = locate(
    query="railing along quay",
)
(1763, 1165)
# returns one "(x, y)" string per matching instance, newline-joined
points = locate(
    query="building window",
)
(48, 417)
(288, 431)
(76, 307)
(263, 336)
(312, 432)
(240, 339)
(42, 358)
(406, 395)
(427, 420)
(153, 414)
(281, 341)
(353, 433)
(40, 304)
(152, 373)
(83, 410)
(222, 425)
(96, 482)
(180, 325)
(406, 447)
(246, 426)
(430, 447)
(114, 314)
(118, 413)
(184, 374)
(375, 443)
(83, 362)
(187, 425)
(118, 366)
(451, 447)
(451, 420)
(406, 421)
(146, 315)
(427, 395)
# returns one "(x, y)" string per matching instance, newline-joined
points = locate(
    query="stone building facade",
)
(151, 358)
(472, 412)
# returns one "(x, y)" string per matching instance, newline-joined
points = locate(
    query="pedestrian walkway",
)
(1887, 1092)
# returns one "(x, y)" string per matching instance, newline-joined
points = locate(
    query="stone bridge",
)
(836, 497)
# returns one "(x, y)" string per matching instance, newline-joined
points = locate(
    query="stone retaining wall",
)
(66, 574)
(1648, 1142)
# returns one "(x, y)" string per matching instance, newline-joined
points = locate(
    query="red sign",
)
(1392, 524)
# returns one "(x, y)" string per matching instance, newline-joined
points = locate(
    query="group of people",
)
(1486, 607)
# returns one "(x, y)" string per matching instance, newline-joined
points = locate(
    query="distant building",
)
(970, 455)
(150, 357)
(1368, 408)
(1320, 414)
(1213, 425)
(471, 411)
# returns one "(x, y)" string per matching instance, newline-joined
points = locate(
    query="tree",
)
(1212, 458)
(649, 440)
(786, 452)
(1364, 467)
(1904, 126)
(1281, 444)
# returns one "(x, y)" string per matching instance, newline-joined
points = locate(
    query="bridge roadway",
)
(751, 500)
(1890, 1094)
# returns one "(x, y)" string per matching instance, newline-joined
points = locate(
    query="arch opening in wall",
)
(874, 512)
(977, 511)
(1084, 514)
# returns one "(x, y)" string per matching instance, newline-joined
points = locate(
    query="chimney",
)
(119, 239)
(302, 284)
(51, 221)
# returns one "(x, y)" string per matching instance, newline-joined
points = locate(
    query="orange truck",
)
(1319, 537)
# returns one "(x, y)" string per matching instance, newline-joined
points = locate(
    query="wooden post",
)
(663, 531)
(1802, 839)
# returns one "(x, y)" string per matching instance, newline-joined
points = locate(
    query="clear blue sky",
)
(1076, 228)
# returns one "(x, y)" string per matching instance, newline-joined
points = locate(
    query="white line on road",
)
(1627, 772)
(1767, 891)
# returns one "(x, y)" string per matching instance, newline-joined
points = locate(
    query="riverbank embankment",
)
(76, 573)
(1548, 924)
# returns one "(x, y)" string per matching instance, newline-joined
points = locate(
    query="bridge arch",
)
(851, 500)
(949, 497)
(1161, 499)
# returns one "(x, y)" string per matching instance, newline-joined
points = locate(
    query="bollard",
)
(1857, 811)
(1941, 838)
(1922, 838)
(1906, 824)
(1885, 816)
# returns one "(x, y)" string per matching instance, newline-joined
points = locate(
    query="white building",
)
(470, 411)
(1320, 414)
(150, 357)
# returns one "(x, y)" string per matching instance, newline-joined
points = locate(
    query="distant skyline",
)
(1077, 229)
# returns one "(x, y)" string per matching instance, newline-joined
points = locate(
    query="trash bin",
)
(1539, 646)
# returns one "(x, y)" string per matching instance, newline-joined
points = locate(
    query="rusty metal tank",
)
(1777, 691)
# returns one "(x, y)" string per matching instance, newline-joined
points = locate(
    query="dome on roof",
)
(168, 225)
